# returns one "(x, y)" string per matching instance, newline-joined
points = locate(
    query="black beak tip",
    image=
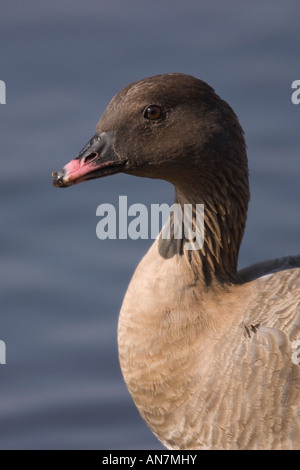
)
(58, 179)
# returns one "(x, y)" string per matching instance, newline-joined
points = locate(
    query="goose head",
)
(174, 127)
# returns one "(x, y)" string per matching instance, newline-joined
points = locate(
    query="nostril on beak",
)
(90, 157)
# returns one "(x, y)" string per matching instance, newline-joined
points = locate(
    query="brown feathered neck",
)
(225, 196)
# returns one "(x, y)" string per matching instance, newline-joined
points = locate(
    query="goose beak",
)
(95, 160)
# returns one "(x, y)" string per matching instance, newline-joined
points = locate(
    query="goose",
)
(207, 352)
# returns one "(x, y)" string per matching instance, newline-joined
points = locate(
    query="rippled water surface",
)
(61, 287)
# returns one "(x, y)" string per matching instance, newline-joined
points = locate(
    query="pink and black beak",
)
(96, 159)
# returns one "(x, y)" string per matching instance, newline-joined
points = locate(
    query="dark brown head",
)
(164, 127)
(176, 128)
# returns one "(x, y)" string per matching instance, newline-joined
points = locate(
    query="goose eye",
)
(152, 112)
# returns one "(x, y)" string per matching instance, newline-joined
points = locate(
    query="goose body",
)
(211, 368)
(206, 351)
